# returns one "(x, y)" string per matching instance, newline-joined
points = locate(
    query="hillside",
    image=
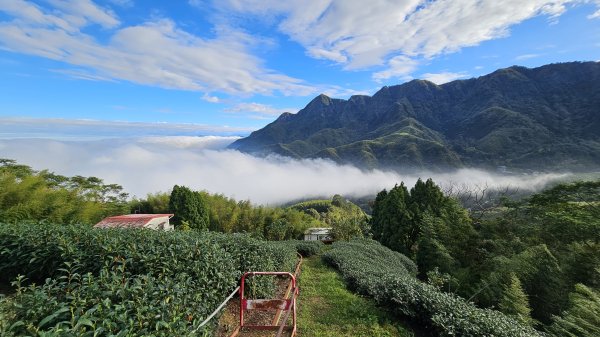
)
(542, 118)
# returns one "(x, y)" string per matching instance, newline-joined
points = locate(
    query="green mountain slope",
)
(541, 118)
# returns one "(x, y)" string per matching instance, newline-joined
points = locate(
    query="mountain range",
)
(517, 118)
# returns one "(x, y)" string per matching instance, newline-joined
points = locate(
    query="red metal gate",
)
(286, 304)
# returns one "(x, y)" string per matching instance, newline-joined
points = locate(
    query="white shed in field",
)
(151, 221)
(318, 234)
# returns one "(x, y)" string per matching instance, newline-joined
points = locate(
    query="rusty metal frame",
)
(287, 304)
(268, 304)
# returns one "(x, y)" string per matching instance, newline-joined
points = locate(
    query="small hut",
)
(318, 234)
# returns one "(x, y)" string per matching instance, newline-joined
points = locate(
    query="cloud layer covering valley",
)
(152, 164)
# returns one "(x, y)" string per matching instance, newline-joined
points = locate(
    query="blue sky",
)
(227, 67)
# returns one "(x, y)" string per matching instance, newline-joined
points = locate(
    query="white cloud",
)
(157, 53)
(399, 66)
(263, 109)
(82, 12)
(57, 128)
(360, 35)
(191, 143)
(211, 99)
(151, 165)
(596, 14)
(526, 57)
(445, 77)
(123, 3)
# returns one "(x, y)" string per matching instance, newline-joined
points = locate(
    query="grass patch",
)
(328, 309)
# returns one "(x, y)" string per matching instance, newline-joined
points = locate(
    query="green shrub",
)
(124, 280)
(375, 271)
(309, 248)
(304, 248)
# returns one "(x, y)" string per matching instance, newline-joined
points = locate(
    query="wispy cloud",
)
(341, 92)
(387, 33)
(156, 53)
(263, 109)
(399, 66)
(82, 75)
(527, 57)
(156, 164)
(445, 77)
(596, 14)
(56, 128)
(190, 143)
(123, 3)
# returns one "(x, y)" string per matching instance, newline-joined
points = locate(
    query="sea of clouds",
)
(151, 164)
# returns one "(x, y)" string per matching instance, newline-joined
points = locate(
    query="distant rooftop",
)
(318, 231)
(129, 220)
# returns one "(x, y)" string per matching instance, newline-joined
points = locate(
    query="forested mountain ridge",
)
(540, 118)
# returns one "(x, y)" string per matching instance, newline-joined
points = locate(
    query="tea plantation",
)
(389, 278)
(79, 281)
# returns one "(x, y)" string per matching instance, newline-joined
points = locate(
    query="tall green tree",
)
(400, 219)
(377, 215)
(398, 232)
(189, 207)
(514, 301)
(432, 253)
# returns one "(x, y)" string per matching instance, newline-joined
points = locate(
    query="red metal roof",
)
(129, 220)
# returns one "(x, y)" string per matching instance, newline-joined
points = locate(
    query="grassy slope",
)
(328, 309)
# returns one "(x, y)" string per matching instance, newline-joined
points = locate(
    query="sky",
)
(148, 94)
(229, 67)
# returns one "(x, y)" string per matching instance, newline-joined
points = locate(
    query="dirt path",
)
(230, 319)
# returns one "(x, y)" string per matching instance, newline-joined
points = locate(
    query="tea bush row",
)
(375, 271)
(304, 248)
(123, 282)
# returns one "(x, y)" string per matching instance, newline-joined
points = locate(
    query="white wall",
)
(156, 224)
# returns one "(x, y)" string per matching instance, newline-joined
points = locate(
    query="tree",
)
(338, 201)
(277, 230)
(432, 253)
(155, 203)
(398, 232)
(26, 194)
(400, 217)
(377, 215)
(188, 206)
(582, 319)
(514, 301)
(348, 227)
(540, 276)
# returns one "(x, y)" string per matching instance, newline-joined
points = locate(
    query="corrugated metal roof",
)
(129, 220)
(318, 231)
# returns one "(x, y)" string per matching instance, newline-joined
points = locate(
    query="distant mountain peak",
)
(321, 100)
(284, 116)
(542, 118)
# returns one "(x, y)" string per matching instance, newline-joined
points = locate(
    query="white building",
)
(321, 234)
(151, 221)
